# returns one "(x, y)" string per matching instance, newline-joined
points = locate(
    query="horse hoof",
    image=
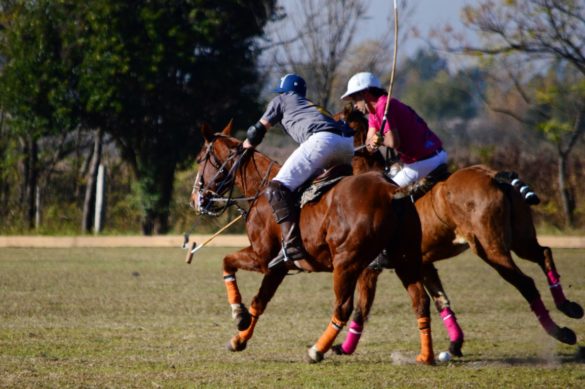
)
(338, 350)
(425, 360)
(566, 335)
(314, 356)
(455, 348)
(235, 344)
(571, 309)
(242, 317)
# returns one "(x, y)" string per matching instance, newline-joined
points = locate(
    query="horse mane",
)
(256, 164)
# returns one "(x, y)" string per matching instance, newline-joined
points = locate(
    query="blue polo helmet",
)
(292, 82)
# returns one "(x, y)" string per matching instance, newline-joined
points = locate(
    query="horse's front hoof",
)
(338, 350)
(455, 348)
(571, 309)
(425, 359)
(242, 317)
(565, 335)
(314, 356)
(236, 344)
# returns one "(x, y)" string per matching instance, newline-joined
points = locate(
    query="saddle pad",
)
(317, 189)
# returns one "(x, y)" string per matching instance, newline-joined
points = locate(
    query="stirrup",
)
(283, 256)
(382, 261)
(277, 260)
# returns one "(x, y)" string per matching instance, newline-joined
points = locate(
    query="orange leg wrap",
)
(233, 293)
(248, 332)
(326, 340)
(426, 356)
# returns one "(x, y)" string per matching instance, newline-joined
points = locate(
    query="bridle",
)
(224, 180)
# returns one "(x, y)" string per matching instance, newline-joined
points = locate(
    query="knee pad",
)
(280, 199)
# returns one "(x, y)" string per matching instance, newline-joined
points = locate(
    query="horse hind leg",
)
(434, 286)
(366, 292)
(532, 251)
(508, 270)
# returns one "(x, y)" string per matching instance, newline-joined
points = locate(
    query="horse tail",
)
(512, 179)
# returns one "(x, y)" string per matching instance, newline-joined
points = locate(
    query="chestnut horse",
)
(470, 209)
(342, 232)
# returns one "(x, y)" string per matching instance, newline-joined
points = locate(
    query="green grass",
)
(143, 318)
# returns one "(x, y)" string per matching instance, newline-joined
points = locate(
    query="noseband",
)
(223, 184)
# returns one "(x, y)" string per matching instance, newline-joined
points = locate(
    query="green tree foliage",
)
(147, 72)
(540, 35)
(35, 90)
(428, 85)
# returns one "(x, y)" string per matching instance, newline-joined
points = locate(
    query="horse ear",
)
(228, 128)
(207, 132)
(347, 109)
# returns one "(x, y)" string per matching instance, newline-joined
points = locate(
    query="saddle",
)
(319, 185)
(418, 189)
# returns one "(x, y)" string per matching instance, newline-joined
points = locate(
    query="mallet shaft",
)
(194, 247)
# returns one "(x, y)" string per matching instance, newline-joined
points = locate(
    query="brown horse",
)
(470, 209)
(342, 232)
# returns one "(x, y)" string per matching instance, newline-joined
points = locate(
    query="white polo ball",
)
(444, 356)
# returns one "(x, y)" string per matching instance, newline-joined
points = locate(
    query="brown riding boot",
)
(286, 215)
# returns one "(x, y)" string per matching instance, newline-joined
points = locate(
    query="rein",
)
(227, 184)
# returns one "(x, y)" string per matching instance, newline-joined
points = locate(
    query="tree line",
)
(128, 84)
(142, 74)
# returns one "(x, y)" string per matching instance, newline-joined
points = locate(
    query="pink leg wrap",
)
(554, 283)
(542, 314)
(450, 323)
(353, 338)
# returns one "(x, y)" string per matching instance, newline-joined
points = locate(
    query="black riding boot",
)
(286, 215)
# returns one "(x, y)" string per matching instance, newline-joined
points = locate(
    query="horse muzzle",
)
(206, 203)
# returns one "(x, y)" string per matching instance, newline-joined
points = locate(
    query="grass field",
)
(143, 318)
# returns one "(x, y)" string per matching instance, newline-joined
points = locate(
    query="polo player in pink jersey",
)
(420, 149)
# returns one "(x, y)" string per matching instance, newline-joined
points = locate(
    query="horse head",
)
(363, 160)
(218, 160)
(357, 121)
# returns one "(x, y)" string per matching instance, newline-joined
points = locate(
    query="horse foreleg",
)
(366, 292)
(270, 284)
(240, 313)
(434, 286)
(344, 282)
(244, 259)
(412, 282)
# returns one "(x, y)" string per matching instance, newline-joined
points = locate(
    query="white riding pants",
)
(413, 171)
(322, 150)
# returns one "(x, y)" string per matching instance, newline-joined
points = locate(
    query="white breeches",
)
(320, 151)
(413, 171)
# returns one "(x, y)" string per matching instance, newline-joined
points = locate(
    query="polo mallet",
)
(387, 108)
(194, 248)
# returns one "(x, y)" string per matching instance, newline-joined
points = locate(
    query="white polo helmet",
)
(361, 81)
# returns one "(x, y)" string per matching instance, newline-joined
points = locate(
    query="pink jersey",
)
(417, 141)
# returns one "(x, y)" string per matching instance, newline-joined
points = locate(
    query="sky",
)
(426, 15)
